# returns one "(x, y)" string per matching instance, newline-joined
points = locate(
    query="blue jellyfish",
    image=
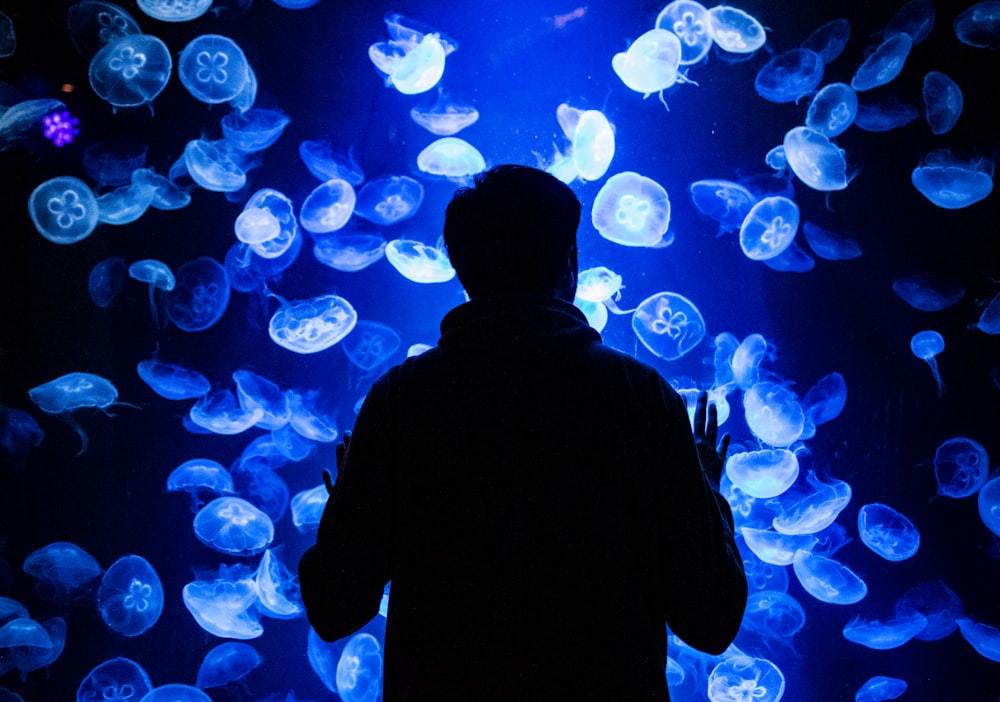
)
(450, 157)
(789, 75)
(410, 70)
(815, 160)
(746, 360)
(773, 414)
(213, 68)
(279, 206)
(982, 637)
(764, 473)
(220, 413)
(8, 38)
(226, 663)
(214, 165)
(593, 145)
(724, 201)
(255, 225)
(742, 677)
(774, 547)
(248, 270)
(328, 207)
(200, 296)
(885, 115)
(359, 670)
(173, 382)
(828, 580)
(176, 692)
(601, 284)
(223, 603)
(93, 24)
(929, 292)
(255, 392)
(942, 102)
(115, 680)
(989, 504)
(371, 344)
(926, 345)
(650, 65)
(111, 163)
(234, 526)
(167, 195)
(277, 588)
(832, 109)
(65, 572)
(309, 419)
(823, 402)
(326, 164)
(70, 392)
(879, 688)
(829, 245)
(961, 467)
(769, 227)
(255, 129)
(668, 324)
(24, 644)
(689, 21)
(201, 478)
(307, 508)
(773, 614)
(445, 117)
(829, 40)
(632, 210)
(349, 252)
(159, 277)
(760, 575)
(124, 204)
(63, 209)
(419, 262)
(915, 19)
(734, 30)
(105, 280)
(309, 326)
(19, 433)
(935, 601)
(979, 25)
(131, 71)
(883, 636)
(257, 483)
(389, 200)
(989, 320)
(130, 597)
(952, 182)
(887, 532)
(172, 11)
(323, 658)
(813, 510)
(884, 64)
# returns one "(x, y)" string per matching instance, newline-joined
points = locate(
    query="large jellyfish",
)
(884, 64)
(445, 117)
(816, 161)
(668, 324)
(929, 292)
(689, 21)
(769, 228)
(811, 511)
(979, 25)
(632, 210)
(113, 680)
(765, 473)
(832, 109)
(734, 30)
(213, 68)
(386, 201)
(450, 157)
(63, 209)
(789, 75)
(952, 182)
(131, 71)
(309, 326)
(130, 597)
(70, 392)
(419, 262)
(942, 102)
(92, 24)
(327, 208)
(828, 580)
(650, 65)
(234, 526)
(926, 345)
(593, 145)
(961, 467)
(742, 677)
(307, 508)
(410, 70)
(359, 670)
(226, 663)
(883, 636)
(201, 478)
(224, 605)
(277, 588)
(935, 601)
(65, 572)
(887, 532)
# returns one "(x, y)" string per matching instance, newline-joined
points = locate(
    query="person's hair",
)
(513, 231)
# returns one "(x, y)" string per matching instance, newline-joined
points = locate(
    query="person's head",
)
(514, 231)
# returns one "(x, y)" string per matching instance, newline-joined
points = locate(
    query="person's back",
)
(536, 500)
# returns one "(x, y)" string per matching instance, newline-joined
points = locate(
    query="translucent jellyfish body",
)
(879, 688)
(961, 467)
(935, 601)
(130, 597)
(942, 102)
(174, 10)
(63, 209)
(789, 75)
(410, 70)
(982, 637)
(131, 70)
(233, 526)
(444, 117)
(277, 588)
(988, 500)
(832, 109)
(111, 163)
(830, 245)
(328, 207)
(92, 24)
(734, 30)
(887, 532)
(815, 160)
(220, 413)
(254, 129)
(307, 508)
(632, 210)
(884, 64)
(774, 547)
(260, 395)
(979, 25)
(769, 228)
(887, 114)
(65, 572)
(773, 414)
(202, 478)
(326, 164)
(741, 677)
(952, 182)
(929, 292)
(309, 326)
(213, 68)
(226, 663)
(828, 40)
(371, 344)
(814, 509)
(650, 65)
(359, 670)
(450, 157)
(765, 473)
(214, 166)
(274, 202)
(883, 636)
(120, 678)
(689, 21)
(349, 252)
(828, 580)
(71, 392)
(926, 345)
(773, 614)
(419, 262)
(593, 145)
(668, 324)
(386, 201)
(224, 605)
(724, 201)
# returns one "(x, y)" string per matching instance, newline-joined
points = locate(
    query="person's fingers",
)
(723, 448)
(712, 427)
(328, 481)
(700, 411)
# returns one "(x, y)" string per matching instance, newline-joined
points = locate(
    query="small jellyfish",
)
(258, 483)
(261, 396)
(307, 508)
(650, 65)
(325, 164)
(951, 182)
(742, 677)
(829, 40)
(765, 473)
(815, 160)
(93, 24)
(445, 117)
(359, 670)
(105, 280)
(773, 614)
(774, 547)
(915, 19)
(942, 102)
(979, 25)
(386, 201)
(328, 207)
(371, 344)
(929, 292)
(171, 381)
(829, 245)
(668, 324)
(769, 227)
(773, 414)
(19, 433)
(130, 597)
(173, 11)
(419, 262)
(214, 165)
(885, 115)
(233, 526)
(167, 195)
(159, 277)
(828, 580)
(115, 679)
(811, 511)
(926, 345)
(884, 64)
(65, 572)
(349, 252)
(724, 201)
(832, 109)
(200, 296)
(789, 75)
(989, 504)
(255, 129)
(224, 605)
(982, 637)
(201, 478)
(879, 688)
(213, 68)
(689, 21)
(277, 588)
(734, 30)
(961, 467)
(887, 532)
(883, 636)
(70, 392)
(63, 209)
(309, 326)
(124, 204)
(226, 663)
(131, 71)
(450, 157)
(632, 210)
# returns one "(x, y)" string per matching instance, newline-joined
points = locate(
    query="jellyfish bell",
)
(131, 71)
(63, 209)
(734, 30)
(313, 325)
(173, 11)
(926, 345)
(213, 68)
(952, 182)
(632, 210)
(815, 160)
(650, 65)
(93, 24)
(769, 228)
(668, 324)
(451, 157)
(689, 21)
(73, 391)
(444, 117)
(130, 598)
(419, 262)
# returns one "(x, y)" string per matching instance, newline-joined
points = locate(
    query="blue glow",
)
(885, 115)
(63, 209)
(882, 636)
(171, 381)
(19, 433)
(884, 64)
(445, 117)
(257, 483)
(828, 580)
(418, 262)
(789, 76)
(389, 200)
(989, 504)
(8, 38)
(825, 400)
(172, 11)
(176, 692)
(769, 228)
(26, 644)
(255, 129)
(961, 466)
(130, 598)
(131, 71)
(220, 412)
(915, 19)
(668, 324)
(233, 526)
(880, 688)
(813, 509)
(952, 182)
(65, 572)
(927, 345)
(202, 478)
(734, 30)
(815, 160)
(689, 21)
(743, 677)
(724, 201)
(261, 396)
(942, 102)
(277, 588)
(832, 109)
(829, 40)
(632, 210)
(929, 292)
(983, 637)
(359, 670)
(774, 547)
(450, 157)
(764, 473)
(309, 326)
(371, 345)
(226, 663)
(935, 601)
(349, 252)
(773, 614)
(328, 207)
(213, 68)
(214, 166)
(887, 532)
(979, 25)
(326, 164)
(60, 127)
(773, 414)
(115, 680)
(307, 508)
(650, 65)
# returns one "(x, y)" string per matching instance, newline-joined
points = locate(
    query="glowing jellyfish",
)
(349, 252)
(601, 284)
(815, 160)
(74, 391)
(167, 195)
(105, 280)
(935, 601)
(830, 245)
(774, 547)
(417, 70)
(27, 645)
(769, 227)
(201, 478)
(979, 25)
(19, 433)
(371, 344)
(255, 129)
(323, 658)
(926, 345)
(65, 572)
(173, 382)
(689, 21)
(112, 163)
(131, 71)
(961, 466)
(224, 606)
(125, 204)
(823, 402)
(130, 597)
(176, 692)
(929, 292)
(325, 164)
(879, 688)
(213, 68)
(632, 210)
(386, 201)
(811, 511)
(724, 201)
(789, 75)
(982, 637)
(832, 109)
(668, 324)
(255, 224)
(8, 38)
(734, 30)
(307, 508)
(739, 678)
(829, 40)
(593, 145)
(989, 320)
(227, 663)
(915, 18)
(214, 166)
(220, 413)
(885, 115)
(828, 580)
(773, 414)
(309, 326)
(174, 10)
(884, 64)
(765, 473)
(277, 588)
(63, 209)
(259, 395)
(951, 182)
(445, 117)
(989, 504)
(650, 65)
(887, 532)
(328, 207)
(773, 614)
(93, 24)
(359, 670)
(942, 102)
(279, 206)
(451, 157)
(883, 636)
(115, 680)
(258, 483)
(233, 526)
(200, 296)
(419, 262)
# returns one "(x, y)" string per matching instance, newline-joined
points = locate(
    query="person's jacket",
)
(537, 501)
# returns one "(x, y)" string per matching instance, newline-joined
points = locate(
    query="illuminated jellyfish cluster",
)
(413, 59)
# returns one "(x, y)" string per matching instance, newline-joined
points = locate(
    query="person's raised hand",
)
(711, 450)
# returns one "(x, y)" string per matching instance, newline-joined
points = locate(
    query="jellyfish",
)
(979, 25)
(309, 326)
(130, 597)
(259, 395)
(760, 575)
(371, 344)
(200, 478)
(220, 413)
(742, 677)
(410, 70)
(224, 605)
(773, 614)
(226, 663)
(887, 532)
(724, 201)
(445, 117)
(829, 40)
(689, 21)
(450, 157)
(668, 324)
(114, 680)
(359, 670)
(257, 483)
(234, 526)
(8, 38)
(323, 658)
(124, 204)
(884, 64)
(254, 129)
(159, 277)
(111, 163)
(815, 160)
(386, 201)
(773, 414)
(93, 24)
(935, 601)
(328, 207)
(832, 109)
(989, 504)
(883, 636)
(173, 382)
(270, 245)
(650, 65)
(942, 102)
(131, 71)
(593, 145)
(167, 195)
(829, 245)
(307, 508)
(213, 68)
(885, 115)
(602, 285)
(915, 19)
(632, 210)
(813, 511)
(349, 252)
(292, 444)
(214, 166)
(951, 182)
(929, 292)
(277, 588)
(926, 345)
(105, 280)
(789, 75)
(419, 262)
(70, 392)
(255, 224)
(764, 473)
(734, 30)
(25, 645)
(982, 637)
(63, 210)
(793, 259)
(828, 580)
(65, 572)
(769, 227)
(325, 164)
(774, 547)
(879, 688)
(745, 359)
(961, 467)
(200, 296)
(173, 11)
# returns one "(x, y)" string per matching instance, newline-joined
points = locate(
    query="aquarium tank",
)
(222, 222)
